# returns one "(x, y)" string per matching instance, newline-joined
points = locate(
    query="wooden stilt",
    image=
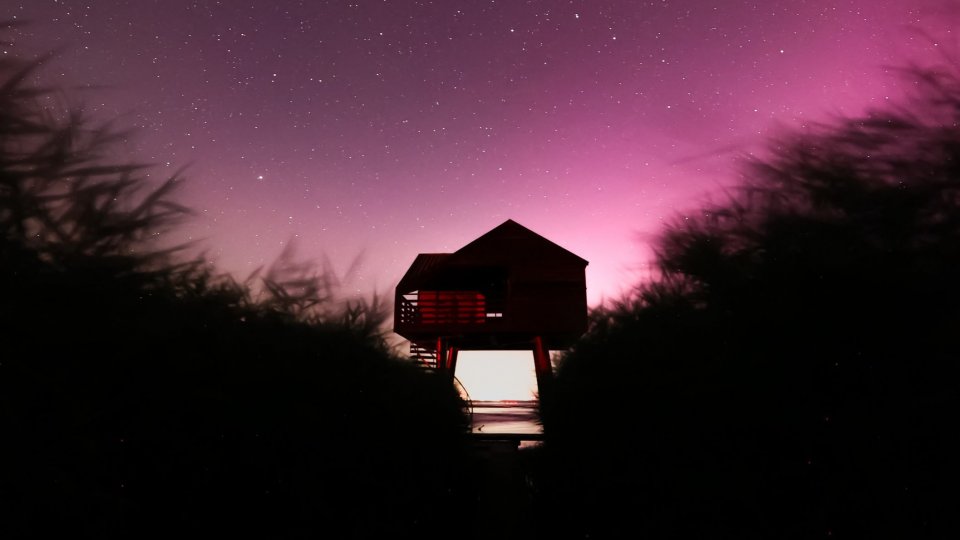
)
(541, 362)
(441, 354)
(453, 360)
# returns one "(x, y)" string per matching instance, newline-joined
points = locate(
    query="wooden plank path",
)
(502, 508)
(503, 503)
(511, 419)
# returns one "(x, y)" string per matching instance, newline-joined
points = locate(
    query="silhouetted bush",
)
(142, 394)
(792, 372)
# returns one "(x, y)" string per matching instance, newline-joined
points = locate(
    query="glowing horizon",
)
(398, 128)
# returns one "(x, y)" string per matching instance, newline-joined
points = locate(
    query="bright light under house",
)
(497, 375)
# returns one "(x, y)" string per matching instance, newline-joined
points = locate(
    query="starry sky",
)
(381, 129)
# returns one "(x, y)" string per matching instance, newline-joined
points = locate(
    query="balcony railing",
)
(455, 308)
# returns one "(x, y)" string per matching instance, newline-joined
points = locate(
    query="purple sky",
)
(398, 127)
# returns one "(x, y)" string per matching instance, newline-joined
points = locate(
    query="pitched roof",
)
(508, 240)
(509, 232)
(423, 266)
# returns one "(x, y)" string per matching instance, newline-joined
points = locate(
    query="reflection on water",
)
(506, 417)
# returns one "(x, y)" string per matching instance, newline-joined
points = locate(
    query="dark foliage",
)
(793, 372)
(141, 396)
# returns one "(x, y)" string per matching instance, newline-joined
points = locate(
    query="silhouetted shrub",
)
(142, 394)
(792, 372)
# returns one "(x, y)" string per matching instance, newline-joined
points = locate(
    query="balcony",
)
(430, 309)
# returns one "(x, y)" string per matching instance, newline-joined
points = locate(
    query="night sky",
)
(391, 128)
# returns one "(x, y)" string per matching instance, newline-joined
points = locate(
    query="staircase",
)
(423, 356)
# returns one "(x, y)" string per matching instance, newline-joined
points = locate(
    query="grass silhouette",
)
(144, 394)
(792, 371)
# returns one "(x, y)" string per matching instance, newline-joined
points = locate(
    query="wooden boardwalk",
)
(500, 431)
